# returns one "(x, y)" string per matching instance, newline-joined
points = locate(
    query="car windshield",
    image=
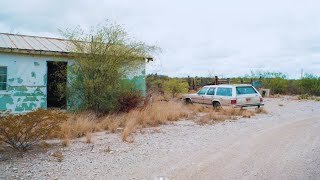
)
(246, 90)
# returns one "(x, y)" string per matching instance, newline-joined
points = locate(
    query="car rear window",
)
(245, 90)
(224, 91)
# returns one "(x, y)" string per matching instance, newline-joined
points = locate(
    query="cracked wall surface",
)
(26, 83)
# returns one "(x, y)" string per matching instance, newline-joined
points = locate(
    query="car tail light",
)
(233, 101)
(261, 99)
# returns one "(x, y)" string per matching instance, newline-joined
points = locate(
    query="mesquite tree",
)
(103, 58)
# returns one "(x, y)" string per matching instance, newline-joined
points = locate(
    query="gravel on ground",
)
(283, 144)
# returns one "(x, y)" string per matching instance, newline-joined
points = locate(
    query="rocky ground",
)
(284, 144)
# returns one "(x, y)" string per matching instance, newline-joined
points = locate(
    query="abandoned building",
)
(28, 67)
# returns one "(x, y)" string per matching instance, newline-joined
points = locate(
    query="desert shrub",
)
(173, 87)
(100, 66)
(310, 84)
(294, 87)
(155, 84)
(276, 81)
(277, 85)
(128, 98)
(23, 131)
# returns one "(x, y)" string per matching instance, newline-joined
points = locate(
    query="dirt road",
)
(284, 144)
(289, 150)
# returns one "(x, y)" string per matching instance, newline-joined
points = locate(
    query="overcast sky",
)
(198, 38)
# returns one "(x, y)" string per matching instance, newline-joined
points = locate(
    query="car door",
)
(208, 97)
(224, 94)
(247, 95)
(198, 98)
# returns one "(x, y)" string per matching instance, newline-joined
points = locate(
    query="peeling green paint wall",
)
(137, 75)
(27, 82)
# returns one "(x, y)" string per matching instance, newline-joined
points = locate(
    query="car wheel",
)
(188, 101)
(216, 105)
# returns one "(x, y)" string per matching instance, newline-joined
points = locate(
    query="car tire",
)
(188, 101)
(216, 105)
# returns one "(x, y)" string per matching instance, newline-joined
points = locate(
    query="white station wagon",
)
(237, 95)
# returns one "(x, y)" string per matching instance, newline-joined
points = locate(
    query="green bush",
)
(173, 87)
(280, 84)
(310, 84)
(155, 83)
(277, 85)
(100, 66)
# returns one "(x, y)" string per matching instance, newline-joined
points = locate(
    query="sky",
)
(198, 38)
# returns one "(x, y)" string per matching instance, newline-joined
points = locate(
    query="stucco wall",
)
(27, 82)
(137, 75)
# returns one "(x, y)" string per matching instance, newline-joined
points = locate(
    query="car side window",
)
(211, 91)
(245, 90)
(203, 91)
(224, 91)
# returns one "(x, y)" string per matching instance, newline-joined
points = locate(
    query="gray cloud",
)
(226, 38)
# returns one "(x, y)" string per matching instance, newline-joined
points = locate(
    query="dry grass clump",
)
(261, 111)
(44, 145)
(78, 125)
(247, 114)
(199, 108)
(129, 128)
(211, 118)
(223, 114)
(275, 96)
(58, 156)
(65, 142)
(112, 122)
(233, 112)
(88, 138)
(153, 115)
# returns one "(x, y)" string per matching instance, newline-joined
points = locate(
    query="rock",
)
(14, 169)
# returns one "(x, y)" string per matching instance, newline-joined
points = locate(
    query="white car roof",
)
(228, 85)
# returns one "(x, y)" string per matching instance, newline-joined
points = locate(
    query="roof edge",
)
(35, 52)
(34, 36)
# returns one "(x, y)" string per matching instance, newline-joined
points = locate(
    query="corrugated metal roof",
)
(33, 44)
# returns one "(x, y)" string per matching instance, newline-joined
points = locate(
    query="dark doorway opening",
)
(56, 84)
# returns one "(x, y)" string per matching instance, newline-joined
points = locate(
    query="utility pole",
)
(301, 73)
